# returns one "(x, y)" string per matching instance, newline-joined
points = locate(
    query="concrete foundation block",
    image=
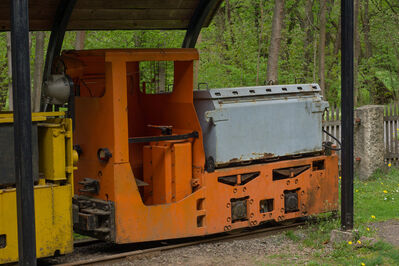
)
(368, 140)
(338, 236)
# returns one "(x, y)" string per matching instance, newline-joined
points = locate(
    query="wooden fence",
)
(391, 118)
(332, 124)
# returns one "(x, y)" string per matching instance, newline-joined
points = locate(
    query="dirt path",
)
(388, 231)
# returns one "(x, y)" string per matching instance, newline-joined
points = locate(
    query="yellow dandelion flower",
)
(372, 216)
(350, 242)
(356, 190)
(362, 264)
(382, 183)
(359, 242)
(368, 229)
(386, 192)
(341, 177)
(389, 165)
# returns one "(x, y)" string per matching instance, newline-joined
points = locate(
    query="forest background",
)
(257, 42)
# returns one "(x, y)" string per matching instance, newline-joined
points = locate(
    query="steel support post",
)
(201, 13)
(63, 13)
(347, 52)
(23, 131)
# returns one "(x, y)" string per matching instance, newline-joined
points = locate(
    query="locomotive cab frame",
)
(141, 173)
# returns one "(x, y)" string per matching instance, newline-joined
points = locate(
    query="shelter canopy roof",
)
(110, 14)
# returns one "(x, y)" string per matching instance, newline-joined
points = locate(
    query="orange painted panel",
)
(170, 167)
(182, 170)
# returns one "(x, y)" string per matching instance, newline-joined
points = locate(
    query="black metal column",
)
(23, 131)
(63, 13)
(201, 13)
(347, 114)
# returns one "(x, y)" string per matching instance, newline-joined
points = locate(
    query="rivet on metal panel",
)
(264, 215)
(288, 182)
(244, 189)
(228, 205)
(252, 215)
(282, 196)
(303, 192)
(228, 219)
(235, 190)
(296, 181)
(251, 201)
(270, 214)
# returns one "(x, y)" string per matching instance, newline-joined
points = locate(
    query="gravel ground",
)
(235, 252)
(274, 249)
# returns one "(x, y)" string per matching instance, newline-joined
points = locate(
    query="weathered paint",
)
(253, 123)
(53, 221)
(53, 199)
(123, 112)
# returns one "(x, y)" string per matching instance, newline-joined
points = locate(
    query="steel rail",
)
(231, 236)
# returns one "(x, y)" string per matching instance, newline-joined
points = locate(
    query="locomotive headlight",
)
(58, 88)
(104, 154)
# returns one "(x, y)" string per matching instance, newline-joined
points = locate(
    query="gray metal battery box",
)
(254, 123)
(7, 161)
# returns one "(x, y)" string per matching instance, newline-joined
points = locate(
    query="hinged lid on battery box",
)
(255, 123)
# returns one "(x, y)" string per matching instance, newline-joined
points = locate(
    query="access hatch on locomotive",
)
(159, 160)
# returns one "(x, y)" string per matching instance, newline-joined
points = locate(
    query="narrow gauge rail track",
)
(234, 235)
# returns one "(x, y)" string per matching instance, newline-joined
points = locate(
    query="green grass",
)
(377, 199)
(374, 200)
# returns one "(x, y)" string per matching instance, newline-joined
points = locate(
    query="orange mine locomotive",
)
(160, 160)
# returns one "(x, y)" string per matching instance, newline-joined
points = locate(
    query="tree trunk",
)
(196, 63)
(366, 30)
(308, 24)
(38, 71)
(356, 51)
(322, 46)
(275, 41)
(259, 41)
(80, 40)
(229, 23)
(9, 60)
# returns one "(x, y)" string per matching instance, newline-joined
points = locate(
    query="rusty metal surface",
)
(252, 123)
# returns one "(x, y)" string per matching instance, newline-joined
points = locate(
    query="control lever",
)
(165, 130)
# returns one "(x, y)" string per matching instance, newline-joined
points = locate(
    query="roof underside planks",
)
(111, 14)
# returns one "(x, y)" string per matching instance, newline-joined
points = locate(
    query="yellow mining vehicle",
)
(53, 163)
